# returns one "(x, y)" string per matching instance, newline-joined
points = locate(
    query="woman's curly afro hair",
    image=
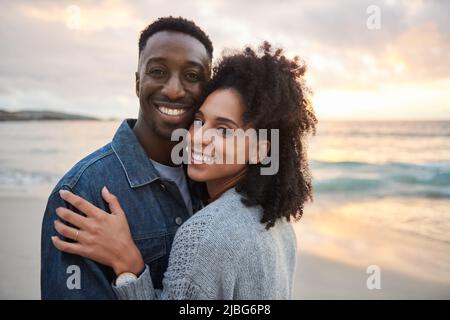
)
(275, 97)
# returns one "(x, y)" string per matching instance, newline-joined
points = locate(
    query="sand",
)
(20, 231)
(322, 278)
(317, 277)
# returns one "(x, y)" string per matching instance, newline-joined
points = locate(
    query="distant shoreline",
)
(45, 115)
(27, 115)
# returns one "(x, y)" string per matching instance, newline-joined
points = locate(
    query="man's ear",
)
(208, 72)
(137, 83)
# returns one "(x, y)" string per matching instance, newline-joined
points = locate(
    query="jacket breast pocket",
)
(152, 246)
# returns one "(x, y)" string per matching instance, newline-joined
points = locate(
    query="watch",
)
(125, 278)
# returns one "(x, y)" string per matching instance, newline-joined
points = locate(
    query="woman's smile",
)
(200, 158)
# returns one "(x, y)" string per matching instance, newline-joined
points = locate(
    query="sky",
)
(367, 60)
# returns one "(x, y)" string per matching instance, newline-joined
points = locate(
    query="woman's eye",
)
(192, 77)
(225, 132)
(198, 122)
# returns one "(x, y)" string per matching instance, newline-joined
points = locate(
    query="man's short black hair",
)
(175, 24)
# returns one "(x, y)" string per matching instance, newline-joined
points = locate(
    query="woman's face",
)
(215, 142)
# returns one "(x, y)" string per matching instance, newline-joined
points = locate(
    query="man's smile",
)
(173, 112)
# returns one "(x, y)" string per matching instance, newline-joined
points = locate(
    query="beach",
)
(371, 208)
(20, 246)
(335, 252)
(317, 277)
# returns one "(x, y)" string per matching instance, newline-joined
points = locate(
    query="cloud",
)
(45, 64)
(49, 60)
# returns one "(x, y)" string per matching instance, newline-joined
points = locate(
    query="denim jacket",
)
(154, 208)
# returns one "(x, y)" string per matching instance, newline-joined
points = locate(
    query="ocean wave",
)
(320, 164)
(394, 129)
(346, 184)
(431, 165)
(359, 134)
(430, 180)
(15, 177)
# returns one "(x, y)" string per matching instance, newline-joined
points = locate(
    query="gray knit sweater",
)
(224, 252)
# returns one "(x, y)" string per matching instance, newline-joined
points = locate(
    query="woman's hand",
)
(100, 236)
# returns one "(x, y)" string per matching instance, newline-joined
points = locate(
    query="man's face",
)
(173, 69)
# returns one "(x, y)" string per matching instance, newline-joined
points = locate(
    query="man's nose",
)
(173, 89)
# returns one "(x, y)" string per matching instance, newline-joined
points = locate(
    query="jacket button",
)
(178, 221)
(163, 187)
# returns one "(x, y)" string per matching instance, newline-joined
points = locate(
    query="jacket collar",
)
(138, 168)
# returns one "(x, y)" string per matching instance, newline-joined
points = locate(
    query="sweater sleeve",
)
(179, 282)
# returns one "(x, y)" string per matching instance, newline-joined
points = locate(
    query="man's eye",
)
(192, 77)
(157, 73)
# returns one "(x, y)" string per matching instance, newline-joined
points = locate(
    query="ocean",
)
(350, 161)
(403, 165)
(381, 196)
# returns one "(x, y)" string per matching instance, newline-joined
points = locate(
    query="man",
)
(174, 65)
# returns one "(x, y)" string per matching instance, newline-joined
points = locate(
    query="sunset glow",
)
(57, 52)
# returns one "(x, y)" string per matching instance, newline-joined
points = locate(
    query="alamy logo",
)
(374, 279)
(73, 20)
(373, 21)
(74, 280)
(231, 148)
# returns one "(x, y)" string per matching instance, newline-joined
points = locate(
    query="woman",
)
(241, 245)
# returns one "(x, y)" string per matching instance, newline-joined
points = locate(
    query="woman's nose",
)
(202, 136)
